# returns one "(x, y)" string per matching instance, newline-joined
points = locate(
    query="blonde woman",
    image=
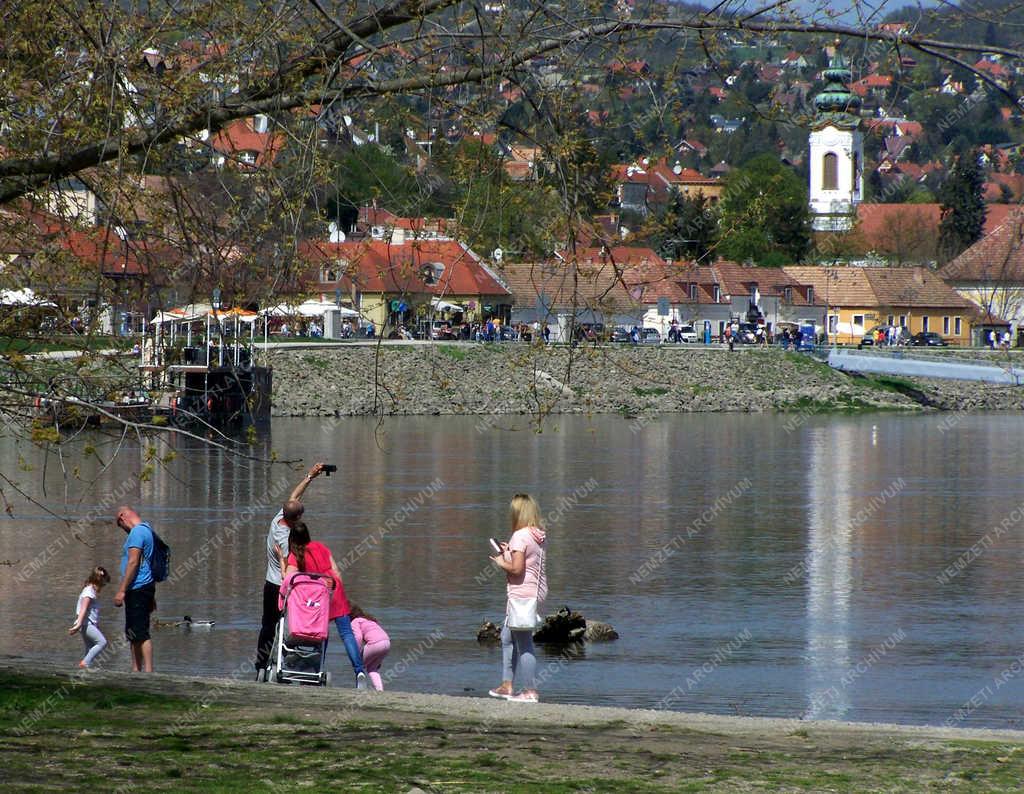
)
(522, 559)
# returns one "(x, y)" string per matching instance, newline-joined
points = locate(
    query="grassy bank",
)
(159, 733)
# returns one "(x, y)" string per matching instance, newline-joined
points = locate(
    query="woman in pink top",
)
(522, 559)
(373, 641)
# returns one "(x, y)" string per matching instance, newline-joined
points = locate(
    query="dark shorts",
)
(138, 605)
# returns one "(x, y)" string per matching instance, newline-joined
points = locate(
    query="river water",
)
(854, 568)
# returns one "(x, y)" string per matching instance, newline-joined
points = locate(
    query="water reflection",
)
(418, 559)
(829, 560)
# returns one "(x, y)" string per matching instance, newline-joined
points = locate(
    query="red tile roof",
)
(879, 225)
(239, 136)
(998, 256)
(617, 254)
(736, 279)
(660, 177)
(379, 266)
(895, 126)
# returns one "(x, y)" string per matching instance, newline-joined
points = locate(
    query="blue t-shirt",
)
(141, 537)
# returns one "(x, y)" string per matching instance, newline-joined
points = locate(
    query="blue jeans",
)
(344, 625)
(518, 657)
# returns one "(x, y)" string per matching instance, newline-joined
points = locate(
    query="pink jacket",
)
(367, 632)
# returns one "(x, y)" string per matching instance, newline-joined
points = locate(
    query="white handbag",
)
(522, 613)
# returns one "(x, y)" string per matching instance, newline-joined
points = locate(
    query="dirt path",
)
(229, 735)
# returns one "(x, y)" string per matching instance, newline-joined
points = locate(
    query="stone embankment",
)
(512, 378)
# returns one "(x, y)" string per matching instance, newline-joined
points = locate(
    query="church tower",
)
(837, 151)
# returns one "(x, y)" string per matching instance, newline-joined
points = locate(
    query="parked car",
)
(687, 333)
(441, 329)
(927, 339)
(902, 335)
(650, 336)
(620, 334)
(747, 334)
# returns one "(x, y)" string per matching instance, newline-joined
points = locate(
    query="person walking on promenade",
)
(137, 590)
(373, 641)
(308, 556)
(87, 615)
(522, 559)
(277, 547)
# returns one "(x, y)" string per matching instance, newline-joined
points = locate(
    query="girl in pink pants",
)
(373, 641)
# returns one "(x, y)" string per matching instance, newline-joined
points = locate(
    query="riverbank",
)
(121, 732)
(514, 378)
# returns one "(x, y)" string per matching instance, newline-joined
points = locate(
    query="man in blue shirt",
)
(137, 591)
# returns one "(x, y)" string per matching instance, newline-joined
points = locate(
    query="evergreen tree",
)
(963, 206)
(688, 228)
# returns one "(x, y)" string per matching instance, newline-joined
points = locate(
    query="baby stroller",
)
(300, 643)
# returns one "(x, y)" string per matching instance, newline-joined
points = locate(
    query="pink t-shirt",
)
(534, 581)
(366, 632)
(318, 560)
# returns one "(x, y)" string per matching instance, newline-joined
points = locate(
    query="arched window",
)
(830, 172)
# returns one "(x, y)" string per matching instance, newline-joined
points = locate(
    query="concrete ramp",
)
(898, 364)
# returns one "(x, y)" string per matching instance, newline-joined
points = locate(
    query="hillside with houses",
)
(766, 179)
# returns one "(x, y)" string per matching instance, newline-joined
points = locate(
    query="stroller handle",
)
(299, 577)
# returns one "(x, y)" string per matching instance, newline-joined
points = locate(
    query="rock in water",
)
(488, 633)
(599, 632)
(563, 627)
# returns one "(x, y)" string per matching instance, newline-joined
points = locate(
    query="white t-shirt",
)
(93, 615)
(278, 534)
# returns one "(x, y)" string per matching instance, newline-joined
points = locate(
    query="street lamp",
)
(209, 339)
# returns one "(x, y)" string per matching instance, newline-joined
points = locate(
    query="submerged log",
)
(563, 627)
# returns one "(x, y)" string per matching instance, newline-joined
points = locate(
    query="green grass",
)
(102, 737)
(453, 352)
(654, 391)
(29, 345)
(317, 363)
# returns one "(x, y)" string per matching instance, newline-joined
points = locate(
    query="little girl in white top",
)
(88, 615)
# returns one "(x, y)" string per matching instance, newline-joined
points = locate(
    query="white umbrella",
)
(23, 297)
(445, 306)
(310, 308)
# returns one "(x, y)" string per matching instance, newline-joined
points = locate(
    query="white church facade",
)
(836, 153)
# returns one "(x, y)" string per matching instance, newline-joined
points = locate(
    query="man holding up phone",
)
(277, 547)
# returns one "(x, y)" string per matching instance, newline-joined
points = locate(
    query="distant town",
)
(879, 192)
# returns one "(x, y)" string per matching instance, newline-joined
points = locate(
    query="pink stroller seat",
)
(306, 601)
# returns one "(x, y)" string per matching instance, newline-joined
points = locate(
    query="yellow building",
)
(861, 298)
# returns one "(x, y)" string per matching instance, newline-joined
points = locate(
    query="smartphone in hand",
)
(497, 547)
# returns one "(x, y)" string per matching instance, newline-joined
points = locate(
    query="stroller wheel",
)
(325, 679)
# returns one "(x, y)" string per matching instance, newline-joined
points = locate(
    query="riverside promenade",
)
(62, 730)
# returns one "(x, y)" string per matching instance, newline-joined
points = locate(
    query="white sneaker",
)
(361, 681)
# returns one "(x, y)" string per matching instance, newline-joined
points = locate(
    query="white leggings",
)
(94, 641)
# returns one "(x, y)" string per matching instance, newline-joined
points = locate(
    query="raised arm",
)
(300, 489)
